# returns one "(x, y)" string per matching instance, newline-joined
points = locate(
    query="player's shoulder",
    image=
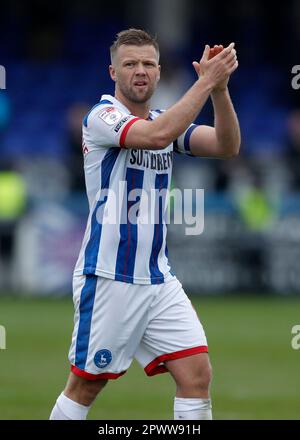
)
(108, 109)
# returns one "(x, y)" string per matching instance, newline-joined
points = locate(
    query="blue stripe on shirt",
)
(85, 312)
(129, 231)
(92, 248)
(187, 136)
(161, 183)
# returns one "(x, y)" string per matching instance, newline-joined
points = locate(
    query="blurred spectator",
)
(254, 206)
(12, 206)
(293, 153)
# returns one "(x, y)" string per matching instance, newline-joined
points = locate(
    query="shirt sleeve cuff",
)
(125, 131)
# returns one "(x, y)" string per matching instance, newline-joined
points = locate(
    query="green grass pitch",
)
(256, 371)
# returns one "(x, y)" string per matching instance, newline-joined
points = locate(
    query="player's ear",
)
(112, 72)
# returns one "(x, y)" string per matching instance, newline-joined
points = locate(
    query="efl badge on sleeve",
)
(110, 115)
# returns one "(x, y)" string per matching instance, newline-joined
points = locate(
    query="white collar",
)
(115, 101)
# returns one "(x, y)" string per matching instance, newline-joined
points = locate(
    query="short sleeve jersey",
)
(127, 189)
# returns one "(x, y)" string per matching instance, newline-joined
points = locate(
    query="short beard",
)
(133, 97)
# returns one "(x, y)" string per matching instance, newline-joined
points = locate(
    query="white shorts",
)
(116, 322)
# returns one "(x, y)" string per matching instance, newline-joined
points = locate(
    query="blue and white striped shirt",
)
(125, 237)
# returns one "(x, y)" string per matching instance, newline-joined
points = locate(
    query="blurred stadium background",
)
(242, 273)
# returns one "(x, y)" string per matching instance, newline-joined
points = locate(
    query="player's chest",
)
(149, 160)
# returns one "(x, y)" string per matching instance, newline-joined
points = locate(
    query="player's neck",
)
(137, 109)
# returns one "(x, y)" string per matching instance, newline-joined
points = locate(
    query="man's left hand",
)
(212, 53)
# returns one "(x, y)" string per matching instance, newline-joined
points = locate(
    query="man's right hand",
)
(217, 68)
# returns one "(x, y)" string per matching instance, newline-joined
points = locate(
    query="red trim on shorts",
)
(125, 130)
(154, 367)
(90, 376)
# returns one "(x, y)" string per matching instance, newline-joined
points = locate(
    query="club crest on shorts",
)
(103, 358)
